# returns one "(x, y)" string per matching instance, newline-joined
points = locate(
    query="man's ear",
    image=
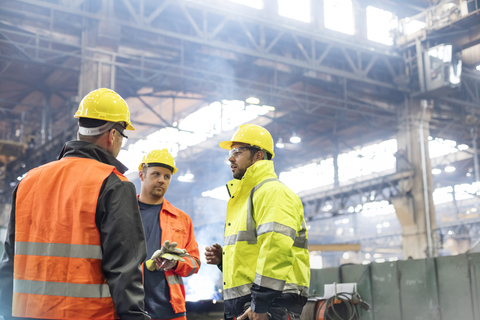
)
(111, 137)
(141, 175)
(259, 155)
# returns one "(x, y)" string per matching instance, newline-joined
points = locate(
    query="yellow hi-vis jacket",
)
(265, 250)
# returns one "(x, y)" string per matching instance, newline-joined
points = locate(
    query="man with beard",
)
(264, 260)
(75, 240)
(164, 290)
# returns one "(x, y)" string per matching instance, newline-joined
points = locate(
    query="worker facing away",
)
(171, 246)
(75, 240)
(264, 259)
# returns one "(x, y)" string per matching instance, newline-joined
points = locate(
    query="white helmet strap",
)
(97, 130)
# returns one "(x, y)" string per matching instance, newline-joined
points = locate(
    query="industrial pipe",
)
(425, 184)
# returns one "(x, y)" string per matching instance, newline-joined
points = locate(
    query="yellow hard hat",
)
(161, 157)
(104, 104)
(253, 135)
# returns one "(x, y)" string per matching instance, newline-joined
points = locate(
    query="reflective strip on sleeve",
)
(75, 290)
(237, 292)
(301, 241)
(268, 282)
(276, 227)
(174, 279)
(194, 264)
(65, 250)
(198, 261)
(296, 289)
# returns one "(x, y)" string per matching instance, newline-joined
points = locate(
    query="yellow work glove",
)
(172, 248)
(169, 251)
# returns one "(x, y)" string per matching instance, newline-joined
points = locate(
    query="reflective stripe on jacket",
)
(177, 227)
(58, 255)
(266, 242)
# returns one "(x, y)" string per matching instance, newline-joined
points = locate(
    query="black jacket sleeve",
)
(6, 264)
(123, 244)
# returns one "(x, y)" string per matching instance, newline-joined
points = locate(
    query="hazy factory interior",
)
(373, 106)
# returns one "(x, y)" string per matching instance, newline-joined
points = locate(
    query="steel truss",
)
(339, 199)
(176, 26)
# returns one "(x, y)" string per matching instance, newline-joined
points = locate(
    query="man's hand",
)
(250, 315)
(164, 264)
(213, 254)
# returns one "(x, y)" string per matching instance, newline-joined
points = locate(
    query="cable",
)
(350, 300)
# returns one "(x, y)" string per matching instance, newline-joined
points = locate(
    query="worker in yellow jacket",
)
(264, 259)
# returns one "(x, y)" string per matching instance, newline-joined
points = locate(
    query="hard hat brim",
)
(174, 169)
(140, 167)
(227, 145)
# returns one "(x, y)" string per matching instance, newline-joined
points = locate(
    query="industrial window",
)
(193, 129)
(339, 16)
(412, 26)
(379, 24)
(257, 4)
(298, 9)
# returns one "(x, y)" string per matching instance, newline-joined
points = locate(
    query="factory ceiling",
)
(171, 58)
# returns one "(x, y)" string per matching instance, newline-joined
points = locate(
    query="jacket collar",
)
(82, 149)
(256, 173)
(167, 206)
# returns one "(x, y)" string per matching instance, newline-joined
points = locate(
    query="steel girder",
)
(210, 26)
(359, 193)
(149, 71)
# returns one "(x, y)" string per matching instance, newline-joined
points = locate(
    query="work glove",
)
(171, 248)
(169, 253)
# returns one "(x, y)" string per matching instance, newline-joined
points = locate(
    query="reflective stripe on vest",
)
(75, 290)
(237, 292)
(58, 250)
(243, 290)
(280, 285)
(252, 232)
(64, 250)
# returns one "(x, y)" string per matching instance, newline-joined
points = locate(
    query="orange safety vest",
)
(177, 227)
(57, 265)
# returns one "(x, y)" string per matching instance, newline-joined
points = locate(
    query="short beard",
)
(157, 195)
(239, 175)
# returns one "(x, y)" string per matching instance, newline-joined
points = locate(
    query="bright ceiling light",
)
(280, 144)
(462, 147)
(295, 139)
(436, 171)
(269, 108)
(327, 207)
(478, 67)
(449, 168)
(252, 100)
